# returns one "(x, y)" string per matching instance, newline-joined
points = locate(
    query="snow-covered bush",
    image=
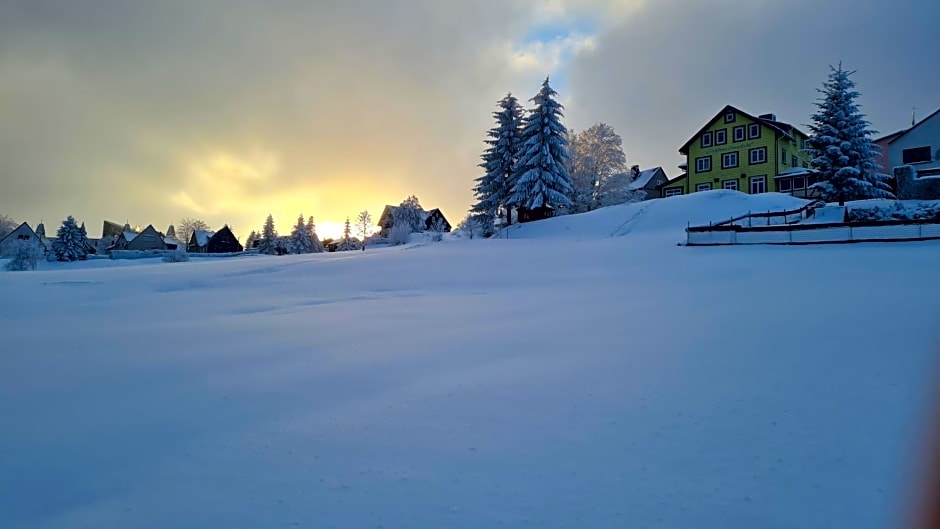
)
(25, 256)
(895, 211)
(176, 256)
(399, 234)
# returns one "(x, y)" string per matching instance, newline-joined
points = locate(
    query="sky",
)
(227, 110)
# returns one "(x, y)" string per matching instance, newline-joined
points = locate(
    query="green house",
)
(752, 154)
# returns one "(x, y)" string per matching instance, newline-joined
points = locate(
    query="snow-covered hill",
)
(563, 378)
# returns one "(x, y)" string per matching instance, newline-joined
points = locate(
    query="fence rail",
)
(828, 233)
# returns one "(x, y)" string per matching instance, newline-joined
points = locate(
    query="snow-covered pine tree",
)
(250, 241)
(411, 214)
(83, 241)
(499, 161)
(312, 230)
(543, 183)
(841, 144)
(68, 245)
(269, 241)
(300, 238)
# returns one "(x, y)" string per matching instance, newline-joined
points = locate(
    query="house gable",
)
(918, 146)
(23, 232)
(223, 241)
(148, 239)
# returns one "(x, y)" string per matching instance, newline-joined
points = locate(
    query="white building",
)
(918, 146)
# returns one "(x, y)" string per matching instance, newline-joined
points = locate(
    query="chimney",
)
(771, 117)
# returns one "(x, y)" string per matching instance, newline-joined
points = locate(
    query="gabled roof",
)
(202, 237)
(779, 127)
(890, 137)
(643, 179)
(17, 229)
(681, 177)
(919, 123)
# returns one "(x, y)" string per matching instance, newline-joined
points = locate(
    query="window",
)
(805, 165)
(729, 117)
(707, 139)
(672, 192)
(707, 186)
(784, 185)
(739, 133)
(758, 155)
(729, 160)
(799, 182)
(703, 164)
(22, 237)
(721, 137)
(758, 184)
(794, 162)
(730, 184)
(916, 155)
(753, 131)
(783, 156)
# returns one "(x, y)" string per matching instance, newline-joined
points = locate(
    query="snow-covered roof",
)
(130, 235)
(203, 236)
(795, 171)
(643, 179)
(172, 240)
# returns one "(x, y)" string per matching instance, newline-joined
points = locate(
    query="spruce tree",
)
(68, 245)
(300, 238)
(268, 237)
(250, 241)
(317, 246)
(542, 169)
(499, 160)
(83, 241)
(841, 144)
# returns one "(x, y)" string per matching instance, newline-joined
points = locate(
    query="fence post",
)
(790, 235)
(920, 231)
(748, 219)
(850, 232)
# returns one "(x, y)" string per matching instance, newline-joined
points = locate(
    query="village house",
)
(649, 181)
(23, 233)
(222, 241)
(918, 146)
(148, 239)
(431, 220)
(742, 152)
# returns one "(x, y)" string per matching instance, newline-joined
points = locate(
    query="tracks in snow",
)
(627, 225)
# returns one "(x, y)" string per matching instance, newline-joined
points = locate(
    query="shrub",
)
(25, 256)
(176, 256)
(399, 234)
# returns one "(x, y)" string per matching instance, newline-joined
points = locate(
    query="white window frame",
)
(762, 180)
(729, 117)
(698, 164)
(672, 192)
(705, 186)
(731, 185)
(743, 130)
(759, 150)
(723, 133)
(737, 160)
(752, 127)
(789, 183)
(706, 136)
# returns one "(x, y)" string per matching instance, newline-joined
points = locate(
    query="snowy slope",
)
(662, 215)
(606, 382)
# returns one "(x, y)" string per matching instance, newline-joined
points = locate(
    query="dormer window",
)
(729, 117)
(707, 140)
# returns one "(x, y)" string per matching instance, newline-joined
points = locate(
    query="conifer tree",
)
(841, 144)
(68, 245)
(499, 161)
(83, 241)
(300, 238)
(250, 241)
(542, 169)
(312, 230)
(268, 237)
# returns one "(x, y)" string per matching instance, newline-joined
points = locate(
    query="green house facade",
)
(752, 154)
